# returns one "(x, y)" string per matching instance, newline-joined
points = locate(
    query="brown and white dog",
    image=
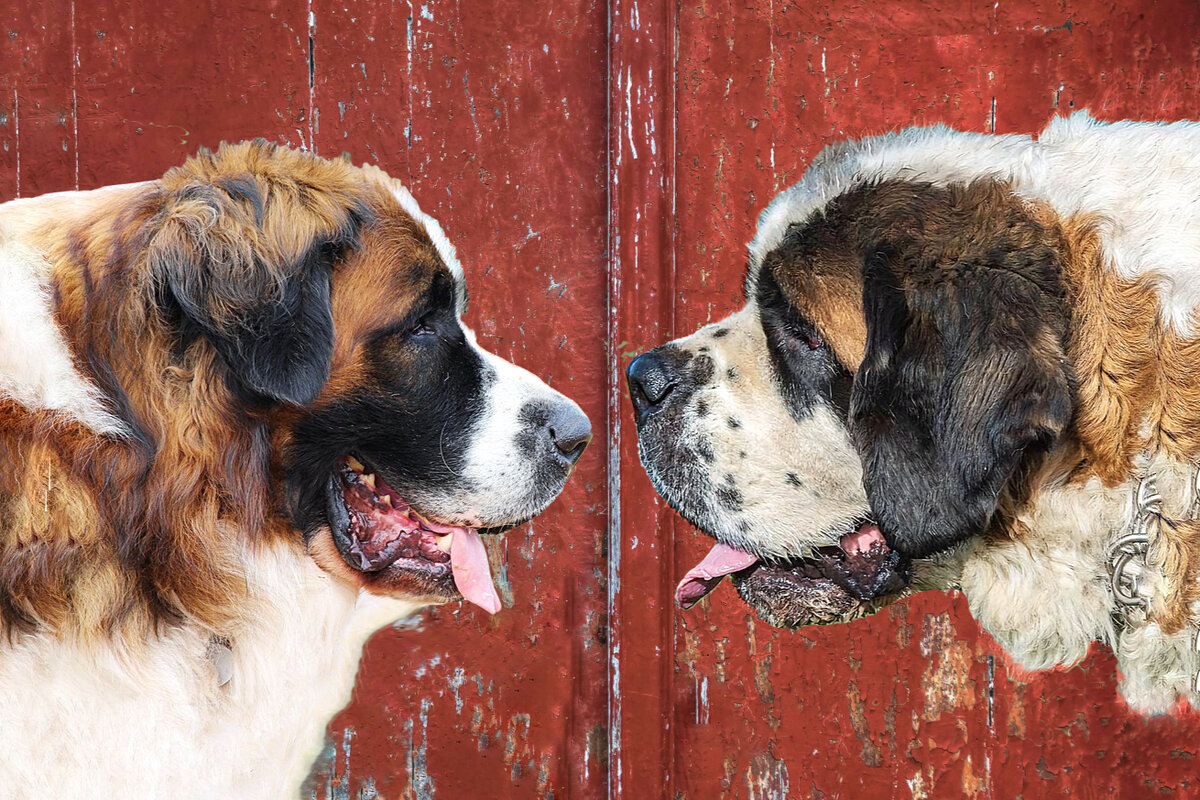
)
(961, 356)
(242, 426)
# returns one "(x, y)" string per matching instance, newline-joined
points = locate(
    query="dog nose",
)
(570, 431)
(649, 383)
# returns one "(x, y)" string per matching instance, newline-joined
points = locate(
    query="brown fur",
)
(100, 535)
(1138, 390)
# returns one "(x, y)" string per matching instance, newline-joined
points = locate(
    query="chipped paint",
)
(767, 778)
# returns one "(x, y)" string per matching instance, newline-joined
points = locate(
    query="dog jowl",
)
(944, 377)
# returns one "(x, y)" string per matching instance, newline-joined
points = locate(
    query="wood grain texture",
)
(600, 168)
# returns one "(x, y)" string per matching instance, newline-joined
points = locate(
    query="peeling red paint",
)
(600, 168)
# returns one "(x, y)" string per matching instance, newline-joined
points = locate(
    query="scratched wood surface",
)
(600, 167)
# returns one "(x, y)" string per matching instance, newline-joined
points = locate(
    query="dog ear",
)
(244, 257)
(963, 384)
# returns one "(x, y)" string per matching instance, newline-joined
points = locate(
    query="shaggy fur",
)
(188, 364)
(1019, 319)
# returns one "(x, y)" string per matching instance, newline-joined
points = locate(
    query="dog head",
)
(895, 377)
(279, 339)
(338, 303)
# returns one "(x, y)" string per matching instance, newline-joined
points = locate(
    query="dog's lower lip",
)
(374, 527)
(378, 532)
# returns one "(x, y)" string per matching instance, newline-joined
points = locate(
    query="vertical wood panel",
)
(36, 87)
(493, 113)
(917, 701)
(154, 82)
(641, 294)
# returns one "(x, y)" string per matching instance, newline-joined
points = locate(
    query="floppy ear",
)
(963, 383)
(245, 261)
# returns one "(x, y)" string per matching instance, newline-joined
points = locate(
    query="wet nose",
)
(570, 431)
(649, 383)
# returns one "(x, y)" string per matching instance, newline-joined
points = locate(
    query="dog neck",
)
(169, 725)
(1044, 591)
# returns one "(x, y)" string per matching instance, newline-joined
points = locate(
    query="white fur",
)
(151, 719)
(775, 516)
(1046, 597)
(36, 368)
(501, 477)
(432, 227)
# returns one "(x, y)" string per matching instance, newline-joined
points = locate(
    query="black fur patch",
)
(271, 325)
(964, 379)
(434, 382)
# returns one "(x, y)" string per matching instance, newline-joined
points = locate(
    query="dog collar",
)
(1132, 548)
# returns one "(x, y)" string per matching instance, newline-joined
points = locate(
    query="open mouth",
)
(376, 530)
(837, 583)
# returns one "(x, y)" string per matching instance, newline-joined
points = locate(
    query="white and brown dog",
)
(242, 426)
(965, 361)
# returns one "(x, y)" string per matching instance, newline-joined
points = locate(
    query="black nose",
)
(649, 382)
(570, 431)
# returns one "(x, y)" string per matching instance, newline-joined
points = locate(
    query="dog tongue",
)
(867, 536)
(704, 577)
(472, 575)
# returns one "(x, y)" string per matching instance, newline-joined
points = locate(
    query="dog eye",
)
(423, 327)
(804, 334)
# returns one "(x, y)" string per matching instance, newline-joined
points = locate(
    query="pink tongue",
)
(861, 541)
(704, 577)
(472, 575)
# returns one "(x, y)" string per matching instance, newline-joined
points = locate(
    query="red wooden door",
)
(600, 168)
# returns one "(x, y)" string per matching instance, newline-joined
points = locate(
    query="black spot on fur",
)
(701, 409)
(733, 423)
(533, 418)
(731, 373)
(729, 498)
(794, 479)
(720, 333)
(705, 451)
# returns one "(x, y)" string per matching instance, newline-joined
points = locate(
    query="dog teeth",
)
(386, 499)
(354, 464)
(443, 542)
(369, 480)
